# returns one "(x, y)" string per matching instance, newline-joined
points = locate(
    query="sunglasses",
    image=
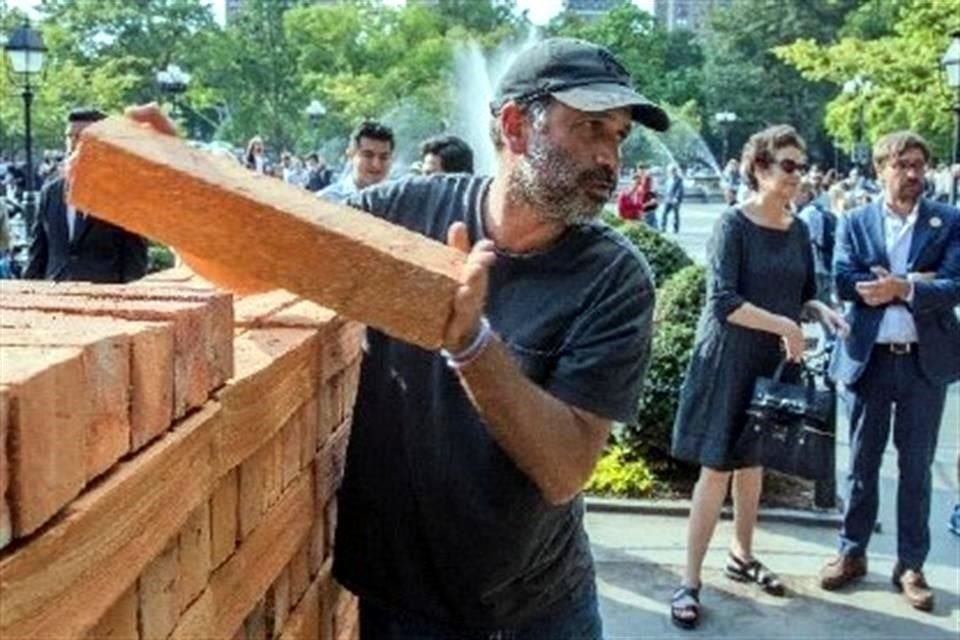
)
(791, 166)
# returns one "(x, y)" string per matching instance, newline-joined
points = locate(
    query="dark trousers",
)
(891, 389)
(665, 216)
(579, 621)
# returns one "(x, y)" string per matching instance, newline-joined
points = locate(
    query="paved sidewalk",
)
(640, 558)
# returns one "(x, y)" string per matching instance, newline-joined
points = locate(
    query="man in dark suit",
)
(897, 262)
(68, 244)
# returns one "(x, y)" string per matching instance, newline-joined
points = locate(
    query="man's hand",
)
(152, 116)
(885, 289)
(471, 297)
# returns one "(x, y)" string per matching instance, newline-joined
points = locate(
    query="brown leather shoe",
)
(914, 588)
(841, 571)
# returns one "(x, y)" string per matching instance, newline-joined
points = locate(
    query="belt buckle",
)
(900, 348)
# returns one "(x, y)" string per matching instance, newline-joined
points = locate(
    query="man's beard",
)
(558, 187)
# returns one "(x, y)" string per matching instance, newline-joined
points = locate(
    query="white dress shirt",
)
(71, 221)
(897, 324)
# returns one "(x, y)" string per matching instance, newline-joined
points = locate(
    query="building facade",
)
(686, 14)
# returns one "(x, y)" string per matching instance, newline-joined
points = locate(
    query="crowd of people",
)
(460, 514)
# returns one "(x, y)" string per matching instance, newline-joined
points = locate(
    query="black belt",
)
(899, 348)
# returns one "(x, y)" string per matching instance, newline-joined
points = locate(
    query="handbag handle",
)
(806, 374)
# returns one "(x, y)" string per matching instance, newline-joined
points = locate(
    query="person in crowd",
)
(445, 154)
(255, 157)
(750, 323)
(67, 244)
(897, 262)
(319, 174)
(370, 156)
(953, 524)
(639, 202)
(730, 181)
(673, 198)
(822, 225)
(459, 514)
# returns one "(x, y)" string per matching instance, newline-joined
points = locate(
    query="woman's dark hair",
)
(761, 148)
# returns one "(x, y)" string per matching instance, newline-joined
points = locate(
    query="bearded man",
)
(460, 513)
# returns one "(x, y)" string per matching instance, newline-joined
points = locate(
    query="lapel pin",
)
(936, 222)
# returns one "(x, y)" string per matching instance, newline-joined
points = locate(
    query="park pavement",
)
(640, 557)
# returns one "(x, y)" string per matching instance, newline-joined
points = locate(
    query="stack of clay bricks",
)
(169, 457)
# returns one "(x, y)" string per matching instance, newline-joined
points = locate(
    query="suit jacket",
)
(99, 251)
(935, 248)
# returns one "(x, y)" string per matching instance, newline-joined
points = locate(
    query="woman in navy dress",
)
(760, 281)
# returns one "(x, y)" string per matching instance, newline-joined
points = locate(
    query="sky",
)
(540, 10)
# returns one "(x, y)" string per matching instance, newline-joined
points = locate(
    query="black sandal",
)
(685, 600)
(754, 571)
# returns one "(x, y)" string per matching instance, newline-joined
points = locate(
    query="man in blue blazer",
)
(897, 264)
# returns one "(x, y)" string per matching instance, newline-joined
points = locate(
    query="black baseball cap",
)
(579, 74)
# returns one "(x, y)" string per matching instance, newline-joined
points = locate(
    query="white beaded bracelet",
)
(465, 356)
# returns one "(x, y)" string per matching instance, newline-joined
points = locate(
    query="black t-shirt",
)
(434, 517)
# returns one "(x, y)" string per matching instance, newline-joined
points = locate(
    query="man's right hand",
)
(152, 116)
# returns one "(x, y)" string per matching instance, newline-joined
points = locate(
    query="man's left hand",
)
(884, 290)
(471, 297)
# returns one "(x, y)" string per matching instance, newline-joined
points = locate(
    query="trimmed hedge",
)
(159, 258)
(680, 300)
(665, 256)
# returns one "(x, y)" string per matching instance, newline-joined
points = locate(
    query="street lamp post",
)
(951, 67)
(315, 112)
(860, 87)
(725, 120)
(173, 81)
(26, 52)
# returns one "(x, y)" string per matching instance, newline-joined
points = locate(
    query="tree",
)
(742, 74)
(909, 92)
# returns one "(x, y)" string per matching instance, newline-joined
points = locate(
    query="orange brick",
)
(49, 407)
(276, 374)
(363, 267)
(330, 463)
(151, 362)
(194, 557)
(341, 349)
(218, 315)
(304, 622)
(253, 489)
(299, 574)
(254, 310)
(291, 448)
(223, 517)
(193, 372)
(158, 595)
(120, 622)
(310, 425)
(255, 625)
(6, 525)
(318, 542)
(277, 604)
(106, 368)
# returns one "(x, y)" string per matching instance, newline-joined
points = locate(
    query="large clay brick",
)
(194, 557)
(276, 374)
(291, 448)
(330, 463)
(318, 541)
(255, 624)
(120, 622)
(237, 586)
(310, 425)
(363, 267)
(50, 403)
(194, 376)
(341, 349)
(255, 310)
(304, 622)
(223, 516)
(151, 362)
(6, 524)
(106, 370)
(158, 609)
(277, 604)
(299, 574)
(218, 316)
(254, 477)
(66, 578)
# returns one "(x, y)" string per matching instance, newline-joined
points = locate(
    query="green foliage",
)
(909, 91)
(681, 298)
(621, 474)
(159, 258)
(670, 356)
(665, 256)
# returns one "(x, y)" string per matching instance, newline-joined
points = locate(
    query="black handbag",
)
(790, 426)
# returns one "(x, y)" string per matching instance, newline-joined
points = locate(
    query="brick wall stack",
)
(168, 462)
